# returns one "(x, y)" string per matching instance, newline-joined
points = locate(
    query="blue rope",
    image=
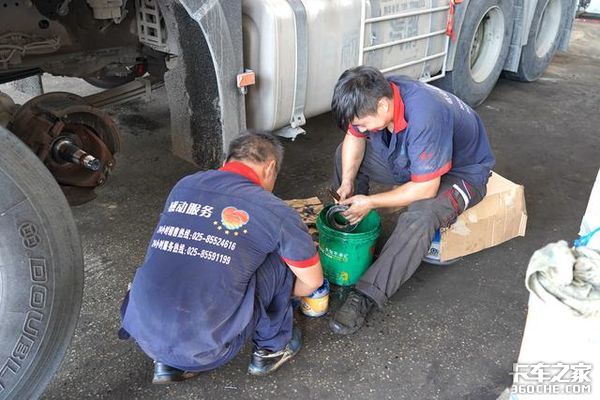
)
(584, 240)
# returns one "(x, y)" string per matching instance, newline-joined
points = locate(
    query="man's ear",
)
(382, 104)
(272, 166)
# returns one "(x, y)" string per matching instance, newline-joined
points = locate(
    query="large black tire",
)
(41, 272)
(479, 60)
(551, 17)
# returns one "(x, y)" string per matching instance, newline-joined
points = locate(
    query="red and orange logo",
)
(233, 218)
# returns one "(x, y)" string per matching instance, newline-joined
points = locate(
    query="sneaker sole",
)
(165, 380)
(339, 329)
(258, 372)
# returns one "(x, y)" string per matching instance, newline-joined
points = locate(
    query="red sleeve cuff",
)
(354, 132)
(432, 175)
(302, 264)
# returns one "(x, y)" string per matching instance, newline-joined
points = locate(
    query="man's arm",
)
(308, 279)
(398, 197)
(406, 194)
(353, 151)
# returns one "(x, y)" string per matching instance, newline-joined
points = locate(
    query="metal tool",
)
(334, 194)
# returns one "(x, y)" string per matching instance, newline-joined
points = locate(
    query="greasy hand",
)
(345, 190)
(360, 206)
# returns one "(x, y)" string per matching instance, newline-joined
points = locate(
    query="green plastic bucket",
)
(345, 256)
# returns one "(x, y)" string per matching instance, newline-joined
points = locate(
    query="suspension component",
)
(66, 151)
(76, 141)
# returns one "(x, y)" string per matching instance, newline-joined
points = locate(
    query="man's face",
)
(378, 121)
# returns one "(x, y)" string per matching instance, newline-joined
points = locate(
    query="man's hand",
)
(345, 190)
(360, 206)
(353, 151)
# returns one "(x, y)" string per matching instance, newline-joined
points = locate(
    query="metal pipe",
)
(401, 41)
(408, 64)
(361, 40)
(404, 15)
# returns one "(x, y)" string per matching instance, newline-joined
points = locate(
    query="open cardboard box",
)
(499, 217)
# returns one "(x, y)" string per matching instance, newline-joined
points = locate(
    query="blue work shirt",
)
(194, 294)
(434, 133)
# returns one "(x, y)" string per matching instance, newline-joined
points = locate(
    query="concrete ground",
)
(449, 333)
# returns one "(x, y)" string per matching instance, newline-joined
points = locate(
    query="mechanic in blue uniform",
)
(221, 268)
(427, 141)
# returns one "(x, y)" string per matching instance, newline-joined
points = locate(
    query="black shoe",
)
(164, 374)
(264, 361)
(351, 315)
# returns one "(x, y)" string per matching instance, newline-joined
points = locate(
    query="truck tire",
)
(41, 272)
(549, 20)
(481, 50)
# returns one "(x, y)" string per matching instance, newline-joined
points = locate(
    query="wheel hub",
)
(75, 141)
(548, 28)
(486, 44)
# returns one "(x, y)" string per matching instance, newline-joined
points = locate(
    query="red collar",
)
(241, 169)
(400, 123)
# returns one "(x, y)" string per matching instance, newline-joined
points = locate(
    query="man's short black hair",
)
(356, 94)
(258, 147)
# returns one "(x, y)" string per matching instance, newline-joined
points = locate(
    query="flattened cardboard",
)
(500, 216)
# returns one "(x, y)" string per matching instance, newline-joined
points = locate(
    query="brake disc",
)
(75, 141)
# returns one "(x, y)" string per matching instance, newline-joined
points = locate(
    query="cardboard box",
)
(499, 217)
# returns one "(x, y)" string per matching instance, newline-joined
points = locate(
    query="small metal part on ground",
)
(309, 210)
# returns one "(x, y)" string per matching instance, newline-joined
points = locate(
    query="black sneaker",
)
(264, 361)
(351, 315)
(164, 374)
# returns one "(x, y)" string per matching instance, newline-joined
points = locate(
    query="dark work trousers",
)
(273, 313)
(271, 326)
(410, 240)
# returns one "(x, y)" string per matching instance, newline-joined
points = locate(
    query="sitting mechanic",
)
(403, 132)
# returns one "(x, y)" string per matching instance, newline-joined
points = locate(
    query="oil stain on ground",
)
(137, 123)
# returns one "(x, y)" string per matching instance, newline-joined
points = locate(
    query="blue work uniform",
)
(215, 271)
(435, 134)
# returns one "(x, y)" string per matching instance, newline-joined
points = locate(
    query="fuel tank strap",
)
(298, 119)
